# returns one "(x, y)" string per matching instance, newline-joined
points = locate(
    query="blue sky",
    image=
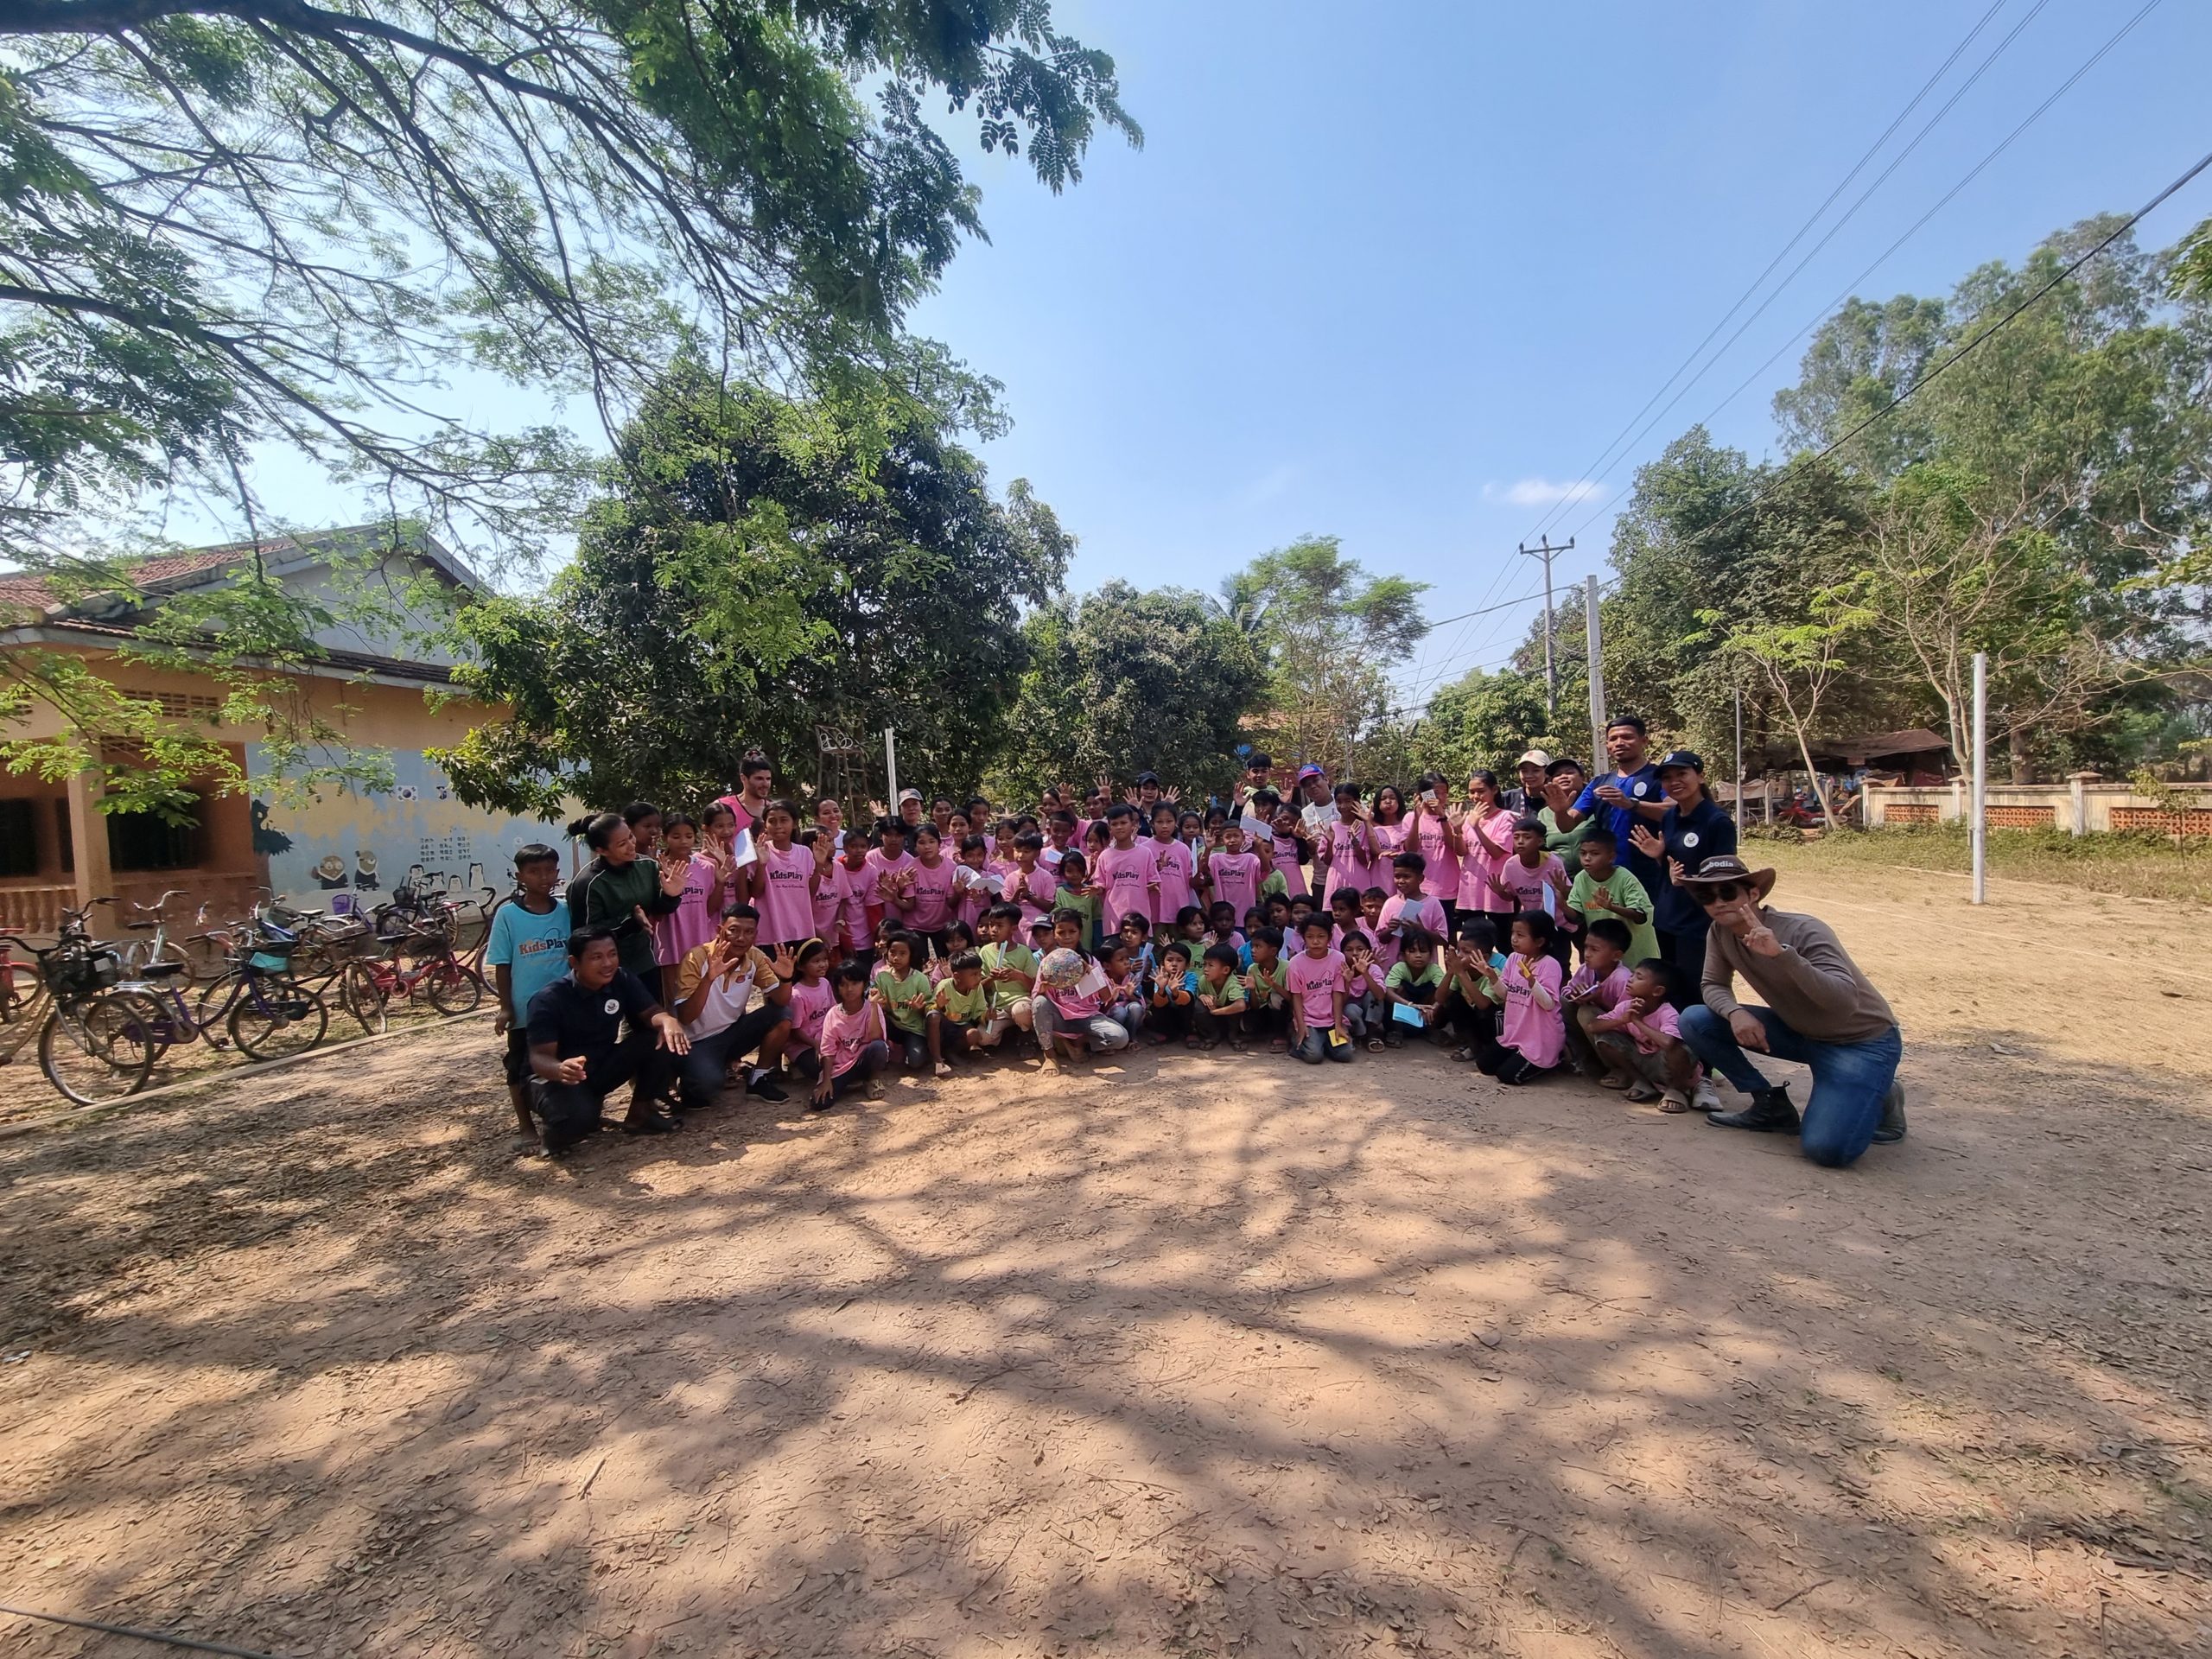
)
(1402, 283)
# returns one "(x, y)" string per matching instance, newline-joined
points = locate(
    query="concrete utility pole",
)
(1597, 675)
(1544, 550)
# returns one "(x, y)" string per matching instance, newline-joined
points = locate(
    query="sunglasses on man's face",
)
(1722, 892)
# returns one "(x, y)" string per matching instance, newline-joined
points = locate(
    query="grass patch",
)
(2132, 866)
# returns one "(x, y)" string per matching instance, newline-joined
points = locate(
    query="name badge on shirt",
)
(613, 1005)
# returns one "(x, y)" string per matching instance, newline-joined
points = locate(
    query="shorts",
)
(517, 1060)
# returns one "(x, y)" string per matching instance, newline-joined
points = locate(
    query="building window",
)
(18, 838)
(65, 838)
(140, 841)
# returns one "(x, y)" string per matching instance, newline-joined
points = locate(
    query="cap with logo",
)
(1681, 758)
(1536, 758)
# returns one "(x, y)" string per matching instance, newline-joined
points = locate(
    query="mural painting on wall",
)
(345, 842)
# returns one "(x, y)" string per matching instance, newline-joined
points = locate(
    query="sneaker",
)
(1769, 1112)
(765, 1085)
(1892, 1125)
(1705, 1100)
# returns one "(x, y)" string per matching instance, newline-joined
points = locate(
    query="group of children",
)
(948, 933)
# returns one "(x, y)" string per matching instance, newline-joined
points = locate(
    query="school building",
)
(383, 591)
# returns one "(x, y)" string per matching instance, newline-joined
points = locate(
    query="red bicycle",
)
(367, 985)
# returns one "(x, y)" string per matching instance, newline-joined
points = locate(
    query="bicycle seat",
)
(159, 970)
(142, 927)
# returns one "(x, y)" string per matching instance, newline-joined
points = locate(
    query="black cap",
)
(1147, 777)
(1681, 757)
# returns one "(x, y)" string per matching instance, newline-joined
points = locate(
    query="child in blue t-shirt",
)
(526, 951)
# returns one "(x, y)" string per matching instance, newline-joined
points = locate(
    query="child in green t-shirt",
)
(1074, 895)
(1415, 981)
(1009, 973)
(964, 1010)
(908, 999)
(1603, 888)
(1266, 991)
(1220, 1001)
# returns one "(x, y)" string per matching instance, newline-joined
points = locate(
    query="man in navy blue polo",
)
(1630, 797)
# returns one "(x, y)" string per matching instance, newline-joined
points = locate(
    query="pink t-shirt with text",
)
(692, 923)
(1440, 876)
(1475, 864)
(1236, 880)
(1127, 875)
(844, 1035)
(1313, 984)
(786, 908)
(1178, 871)
(810, 1006)
(1539, 1033)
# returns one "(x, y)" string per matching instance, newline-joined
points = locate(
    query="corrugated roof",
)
(168, 571)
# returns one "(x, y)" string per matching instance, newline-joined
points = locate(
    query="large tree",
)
(1120, 677)
(764, 565)
(228, 226)
(1332, 632)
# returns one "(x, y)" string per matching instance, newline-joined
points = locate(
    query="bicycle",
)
(368, 984)
(154, 918)
(267, 1012)
(92, 1046)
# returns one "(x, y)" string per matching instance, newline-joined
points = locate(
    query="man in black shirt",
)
(581, 1051)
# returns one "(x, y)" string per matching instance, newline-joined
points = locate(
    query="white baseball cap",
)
(1536, 758)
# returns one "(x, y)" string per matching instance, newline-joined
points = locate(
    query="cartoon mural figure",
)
(330, 873)
(267, 841)
(365, 870)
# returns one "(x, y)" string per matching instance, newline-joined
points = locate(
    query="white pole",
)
(1979, 832)
(891, 770)
(1597, 676)
(1741, 819)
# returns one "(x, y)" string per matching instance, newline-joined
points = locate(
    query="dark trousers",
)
(1262, 1020)
(1684, 954)
(863, 1071)
(707, 1066)
(1462, 1021)
(571, 1110)
(1212, 1027)
(1507, 1065)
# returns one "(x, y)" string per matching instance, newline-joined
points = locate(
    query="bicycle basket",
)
(272, 953)
(73, 973)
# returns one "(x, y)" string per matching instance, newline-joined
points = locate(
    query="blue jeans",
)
(1850, 1081)
(1314, 1046)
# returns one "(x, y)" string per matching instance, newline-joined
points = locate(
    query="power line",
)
(1958, 356)
(1881, 258)
(1606, 458)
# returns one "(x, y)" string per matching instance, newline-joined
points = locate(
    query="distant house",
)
(57, 848)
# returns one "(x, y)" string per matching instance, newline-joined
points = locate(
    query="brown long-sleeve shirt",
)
(1812, 984)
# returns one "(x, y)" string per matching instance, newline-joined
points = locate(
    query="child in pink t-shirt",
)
(698, 913)
(1126, 875)
(1534, 1040)
(1233, 872)
(785, 879)
(1178, 869)
(855, 1044)
(1314, 979)
(812, 997)
(1644, 1036)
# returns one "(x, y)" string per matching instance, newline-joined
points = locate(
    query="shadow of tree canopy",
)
(1187, 1354)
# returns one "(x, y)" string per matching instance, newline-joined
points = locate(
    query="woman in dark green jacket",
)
(622, 891)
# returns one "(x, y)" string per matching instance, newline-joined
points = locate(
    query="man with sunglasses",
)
(1820, 1011)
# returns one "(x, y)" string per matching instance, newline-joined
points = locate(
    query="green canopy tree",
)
(1159, 679)
(1331, 632)
(228, 225)
(763, 565)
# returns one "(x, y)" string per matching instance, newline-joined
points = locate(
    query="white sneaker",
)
(1706, 1099)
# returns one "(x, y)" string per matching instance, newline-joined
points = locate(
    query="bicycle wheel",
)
(213, 999)
(277, 1018)
(452, 988)
(155, 1018)
(363, 995)
(96, 1050)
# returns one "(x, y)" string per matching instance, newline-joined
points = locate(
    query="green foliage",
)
(1331, 632)
(1488, 719)
(765, 563)
(262, 222)
(1121, 679)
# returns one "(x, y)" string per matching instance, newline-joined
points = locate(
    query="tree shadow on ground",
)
(1203, 1356)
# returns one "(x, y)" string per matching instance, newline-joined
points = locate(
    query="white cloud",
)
(1542, 492)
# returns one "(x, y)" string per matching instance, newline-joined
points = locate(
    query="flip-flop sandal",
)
(1463, 1054)
(1375, 1044)
(1192, 1042)
(1609, 1081)
(1673, 1103)
(1278, 1045)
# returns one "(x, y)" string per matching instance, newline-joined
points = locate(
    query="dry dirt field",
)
(1189, 1356)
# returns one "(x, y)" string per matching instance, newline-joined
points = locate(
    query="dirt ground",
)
(1191, 1355)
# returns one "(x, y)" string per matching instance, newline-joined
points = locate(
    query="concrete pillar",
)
(1958, 799)
(2079, 821)
(88, 837)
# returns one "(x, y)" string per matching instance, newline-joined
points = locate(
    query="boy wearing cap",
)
(1821, 1011)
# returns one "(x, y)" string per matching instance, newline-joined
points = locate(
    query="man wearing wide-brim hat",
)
(1820, 1011)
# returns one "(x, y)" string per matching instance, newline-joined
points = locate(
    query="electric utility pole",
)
(1544, 550)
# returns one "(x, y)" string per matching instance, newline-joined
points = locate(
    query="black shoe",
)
(651, 1124)
(1892, 1125)
(1769, 1111)
(767, 1088)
